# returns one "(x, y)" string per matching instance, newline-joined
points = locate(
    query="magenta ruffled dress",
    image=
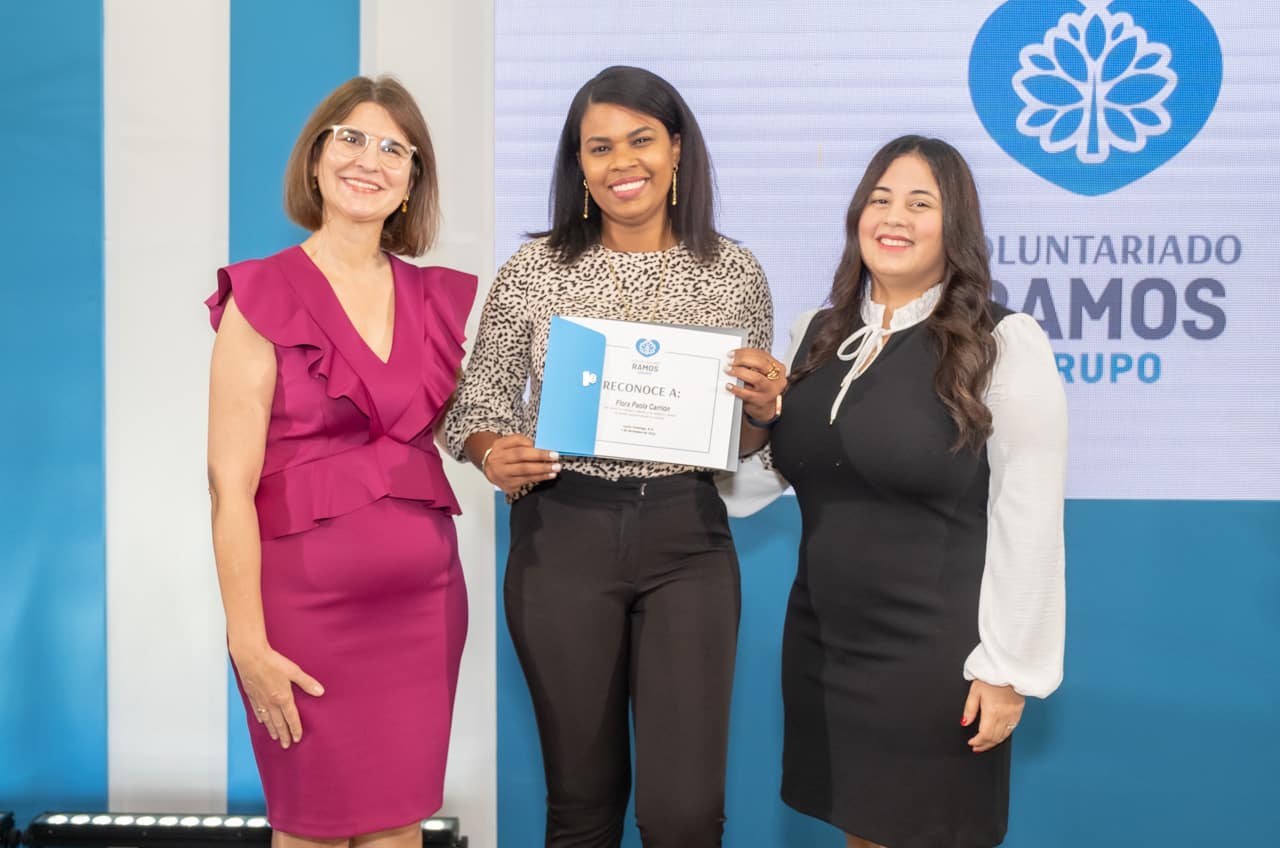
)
(361, 584)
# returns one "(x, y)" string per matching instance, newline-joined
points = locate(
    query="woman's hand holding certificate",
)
(763, 378)
(634, 390)
(512, 462)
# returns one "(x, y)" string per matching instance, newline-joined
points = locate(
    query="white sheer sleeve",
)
(1022, 605)
(756, 483)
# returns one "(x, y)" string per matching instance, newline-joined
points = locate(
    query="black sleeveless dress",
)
(884, 608)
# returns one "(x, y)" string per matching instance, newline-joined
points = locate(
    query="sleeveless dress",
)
(361, 584)
(884, 608)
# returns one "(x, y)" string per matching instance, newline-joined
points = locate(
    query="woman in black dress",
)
(925, 437)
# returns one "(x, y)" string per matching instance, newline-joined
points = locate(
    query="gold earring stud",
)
(586, 200)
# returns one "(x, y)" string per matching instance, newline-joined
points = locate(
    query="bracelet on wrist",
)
(484, 458)
(768, 423)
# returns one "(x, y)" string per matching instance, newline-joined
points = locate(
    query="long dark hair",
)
(692, 219)
(962, 323)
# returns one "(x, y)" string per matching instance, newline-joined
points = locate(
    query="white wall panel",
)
(166, 137)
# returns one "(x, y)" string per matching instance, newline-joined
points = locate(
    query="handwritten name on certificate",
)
(640, 391)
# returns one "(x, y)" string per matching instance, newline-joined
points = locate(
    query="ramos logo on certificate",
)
(629, 390)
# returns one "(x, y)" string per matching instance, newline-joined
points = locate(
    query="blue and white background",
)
(1125, 153)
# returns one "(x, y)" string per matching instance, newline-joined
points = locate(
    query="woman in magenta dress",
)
(332, 518)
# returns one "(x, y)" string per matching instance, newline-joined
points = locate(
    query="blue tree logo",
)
(1095, 82)
(1094, 94)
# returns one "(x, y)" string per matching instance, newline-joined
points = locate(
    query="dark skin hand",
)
(513, 461)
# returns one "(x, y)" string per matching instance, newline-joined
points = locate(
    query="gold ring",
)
(772, 373)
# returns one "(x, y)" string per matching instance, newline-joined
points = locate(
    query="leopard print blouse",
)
(533, 285)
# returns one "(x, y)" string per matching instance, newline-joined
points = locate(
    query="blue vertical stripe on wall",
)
(1162, 733)
(286, 55)
(53, 700)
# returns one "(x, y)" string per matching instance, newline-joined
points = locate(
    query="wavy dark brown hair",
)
(962, 324)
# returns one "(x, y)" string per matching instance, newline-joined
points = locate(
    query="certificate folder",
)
(571, 388)
(639, 391)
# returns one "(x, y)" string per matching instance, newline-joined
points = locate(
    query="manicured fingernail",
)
(553, 456)
(728, 385)
(729, 369)
(964, 722)
(555, 466)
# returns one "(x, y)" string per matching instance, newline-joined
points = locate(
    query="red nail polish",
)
(964, 722)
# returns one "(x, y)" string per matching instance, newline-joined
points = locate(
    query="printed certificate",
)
(632, 390)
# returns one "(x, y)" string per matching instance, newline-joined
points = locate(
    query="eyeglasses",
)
(350, 142)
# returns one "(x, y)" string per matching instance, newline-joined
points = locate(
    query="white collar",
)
(907, 315)
(871, 336)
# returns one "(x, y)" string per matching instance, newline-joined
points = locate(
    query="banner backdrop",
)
(1124, 152)
(1128, 174)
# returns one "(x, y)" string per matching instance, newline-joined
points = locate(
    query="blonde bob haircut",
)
(405, 233)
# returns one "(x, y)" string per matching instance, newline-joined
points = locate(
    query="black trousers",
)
(620, 592)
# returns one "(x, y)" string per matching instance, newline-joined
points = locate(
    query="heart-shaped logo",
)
(647, 347)
(1095, 94)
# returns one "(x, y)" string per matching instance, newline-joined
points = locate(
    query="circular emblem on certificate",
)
(647, 347)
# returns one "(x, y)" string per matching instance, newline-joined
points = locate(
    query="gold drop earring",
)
(404, 207)
(675, 174)
(586, 200)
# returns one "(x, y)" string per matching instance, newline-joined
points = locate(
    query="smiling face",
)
(900, 229)
(628, 158)
(362, 189)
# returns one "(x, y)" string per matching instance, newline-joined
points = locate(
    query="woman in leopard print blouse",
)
(622, 581)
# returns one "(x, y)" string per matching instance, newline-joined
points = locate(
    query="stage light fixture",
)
(443, 831)
(56, 829)
(163, 830)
